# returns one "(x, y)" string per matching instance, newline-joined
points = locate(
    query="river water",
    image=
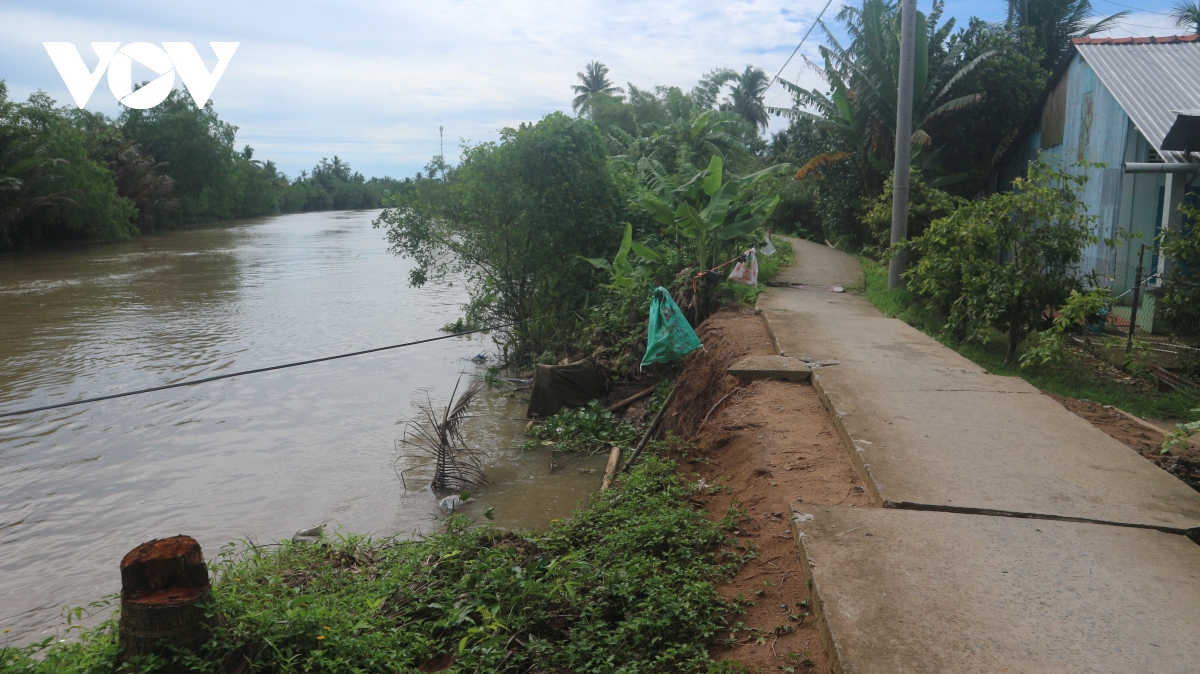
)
(256, 457)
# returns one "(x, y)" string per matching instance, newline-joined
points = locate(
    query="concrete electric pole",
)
(904, 106)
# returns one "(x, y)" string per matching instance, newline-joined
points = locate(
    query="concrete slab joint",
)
(910, 591)
(943, 434)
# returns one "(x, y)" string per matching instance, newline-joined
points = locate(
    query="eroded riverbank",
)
(257, 457)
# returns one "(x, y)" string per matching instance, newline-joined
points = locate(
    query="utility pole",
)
(904, 105)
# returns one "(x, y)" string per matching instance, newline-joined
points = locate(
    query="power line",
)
(797, 49)
(1138, 9)
(287, 365)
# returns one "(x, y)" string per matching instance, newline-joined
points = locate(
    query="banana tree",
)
(709, 208)
(625, 276)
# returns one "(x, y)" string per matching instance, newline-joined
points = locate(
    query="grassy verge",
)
(625, 585)
(1073, 378)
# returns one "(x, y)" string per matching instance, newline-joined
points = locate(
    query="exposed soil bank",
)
(771, 443)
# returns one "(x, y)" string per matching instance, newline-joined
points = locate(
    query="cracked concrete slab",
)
(932, 430)
(908, 591)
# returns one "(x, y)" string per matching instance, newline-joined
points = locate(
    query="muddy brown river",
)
(256, 457)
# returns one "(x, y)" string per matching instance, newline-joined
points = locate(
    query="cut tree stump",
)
(164, 587)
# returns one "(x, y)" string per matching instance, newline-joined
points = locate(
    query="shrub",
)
(1179, 295)
(515, 217)
(925, 204)
(1000, 262)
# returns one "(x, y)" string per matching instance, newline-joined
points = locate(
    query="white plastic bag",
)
(747, 271)
(768, 248)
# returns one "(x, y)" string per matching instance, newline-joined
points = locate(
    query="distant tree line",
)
(67, 173)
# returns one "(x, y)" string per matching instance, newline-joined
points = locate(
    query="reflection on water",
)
(252, 457)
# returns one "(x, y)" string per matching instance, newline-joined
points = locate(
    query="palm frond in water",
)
(439, 435)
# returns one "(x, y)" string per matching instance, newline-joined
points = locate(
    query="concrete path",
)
(820, 265)
(931, 429)
(992, 583)
(908, 591)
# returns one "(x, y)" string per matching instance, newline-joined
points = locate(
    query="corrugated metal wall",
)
(1095, 131)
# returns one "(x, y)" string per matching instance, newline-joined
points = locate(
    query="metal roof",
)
(1150, 78)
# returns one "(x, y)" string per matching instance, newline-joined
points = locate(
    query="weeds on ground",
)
(625, 585)
(1074, 378)
(582, 429)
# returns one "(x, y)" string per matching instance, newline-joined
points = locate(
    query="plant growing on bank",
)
(708, 210)
(625, 585)
(515, 217)
(583, 429)
(999, 262)
(625, 275)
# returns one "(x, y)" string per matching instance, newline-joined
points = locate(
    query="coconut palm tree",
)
(860, 110)
(1187, 14)
(746, 97)
(593, 82)
(1055, 22)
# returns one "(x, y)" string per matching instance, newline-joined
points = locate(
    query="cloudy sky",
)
(373, 81)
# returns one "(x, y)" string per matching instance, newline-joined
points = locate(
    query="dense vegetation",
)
(625, 585)
(67, 173)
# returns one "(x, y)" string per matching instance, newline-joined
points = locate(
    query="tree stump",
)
(164, 586)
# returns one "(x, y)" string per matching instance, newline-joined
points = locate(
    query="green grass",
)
(625, 585)
(1069, 378)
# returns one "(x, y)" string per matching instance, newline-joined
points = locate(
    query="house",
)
(1132, 104)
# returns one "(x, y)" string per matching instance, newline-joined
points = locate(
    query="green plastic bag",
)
(670, 337)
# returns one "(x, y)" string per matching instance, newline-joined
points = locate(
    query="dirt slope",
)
(771, 443)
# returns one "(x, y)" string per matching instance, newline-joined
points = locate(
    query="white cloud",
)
(373, 81)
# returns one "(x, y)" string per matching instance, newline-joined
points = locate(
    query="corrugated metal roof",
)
(1149, 79)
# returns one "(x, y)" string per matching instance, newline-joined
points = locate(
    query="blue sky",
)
(372, 81)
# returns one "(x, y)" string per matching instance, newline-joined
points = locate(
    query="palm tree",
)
(684, 143)
(746, 97)
(1055, 22)
(594, 81)
(1187, 14)
(860, 110)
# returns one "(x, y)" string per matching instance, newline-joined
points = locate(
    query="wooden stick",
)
(714, 407)
(614, 457)
(650, 431)
(622, 404)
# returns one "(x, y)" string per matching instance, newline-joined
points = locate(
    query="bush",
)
(516, 216)
(925, 204)
(1179, 295)
(1000, 262)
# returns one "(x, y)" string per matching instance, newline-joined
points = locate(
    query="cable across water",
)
(230, 375)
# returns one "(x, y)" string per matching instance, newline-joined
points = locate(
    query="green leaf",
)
(596, 262)
(658, 210)
(713, 180)
(647, 252)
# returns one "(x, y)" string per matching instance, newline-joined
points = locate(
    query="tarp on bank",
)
(559, 386)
